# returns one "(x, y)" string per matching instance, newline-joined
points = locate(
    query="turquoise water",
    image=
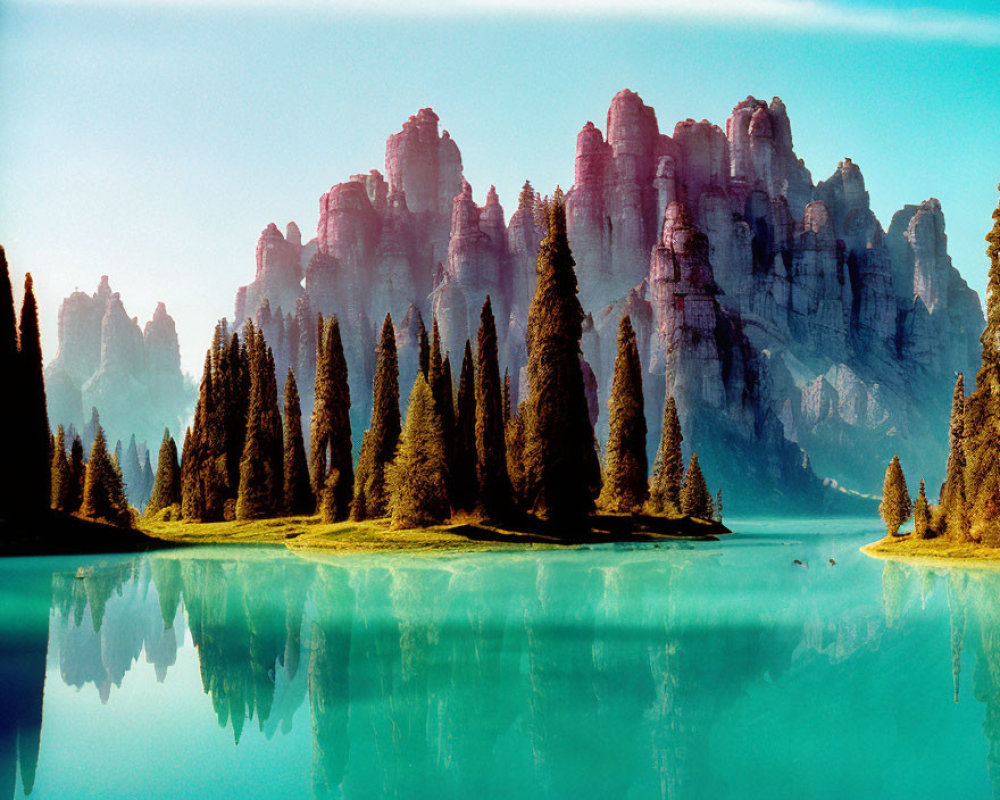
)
(698, 670)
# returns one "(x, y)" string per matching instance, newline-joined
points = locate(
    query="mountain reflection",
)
(548, 674)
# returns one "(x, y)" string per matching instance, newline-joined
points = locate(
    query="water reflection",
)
(635, 673)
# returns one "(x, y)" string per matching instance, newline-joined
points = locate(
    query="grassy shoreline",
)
(933, 552)
(310, 533)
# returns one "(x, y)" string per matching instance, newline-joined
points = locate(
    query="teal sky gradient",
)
(153, 142)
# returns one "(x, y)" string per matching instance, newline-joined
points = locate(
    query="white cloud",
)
(917, 23)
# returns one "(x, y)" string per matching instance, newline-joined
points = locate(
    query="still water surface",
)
(688, 670)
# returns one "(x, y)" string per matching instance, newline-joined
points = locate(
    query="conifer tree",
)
(982, 421)
(463, 462)
(9, 397)
(147, 479)
(61, 477)
(896, 505)
(425, 348)
(626, 483)
(299, 497)
(261, 488)
(378, 445)
(167, 483)
(922, 515)
(668, 469)
(695, 499)
(330, 450)
(514, 435)
(560, 456)
(197, 503)
(952, 498)
(32, 425)
(77, 474)
(441, 389)
(103, 493)
(505, 395)
(192, 507)
(418, 476)
(491, 447)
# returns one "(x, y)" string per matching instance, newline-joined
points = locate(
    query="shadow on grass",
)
(56, 533)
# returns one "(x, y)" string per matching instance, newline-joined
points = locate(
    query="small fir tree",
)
(922, 515)
(668, 468)
(896, 505)
(418, 476)
(61, 476)
(167, 483)
(77, 475)
(103, 493)
(695, 499)
(626, 484)
(330, 449)
(952, 497)
(299, 497)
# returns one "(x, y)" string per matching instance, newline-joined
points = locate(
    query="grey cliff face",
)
(798, 336)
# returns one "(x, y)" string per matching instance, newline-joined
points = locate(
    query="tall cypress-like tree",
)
(491, 447)
(560, 455)
(626, 471)
(197, 503)
(61, 476)
(440, 383)
(299, 497)
(33, 423)
(514, 436)
(103, 492)
(952, 498)
(463, 461)
(10, 395)
(425, 348)
(896, 504)
(419, 474)
(982, 422)
(378, 445)
(261, 491)
(695, 498)
(331, 459)
(77, 473)
(167, 484)
(668, 469)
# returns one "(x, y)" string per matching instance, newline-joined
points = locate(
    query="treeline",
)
(968, 507)
(468, 447)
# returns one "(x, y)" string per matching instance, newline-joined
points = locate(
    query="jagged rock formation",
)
(801, 339)
(105, 361)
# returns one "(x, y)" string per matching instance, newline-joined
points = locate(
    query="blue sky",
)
(152, 142)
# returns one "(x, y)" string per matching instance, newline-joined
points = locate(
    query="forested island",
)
(464, 466)
(965, 522)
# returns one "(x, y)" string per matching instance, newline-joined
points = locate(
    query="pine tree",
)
(378, 445)
(922, 515)
(35, 492)
(440, 383)
(465, 485)
(626, 482)
(103, 492)
(147, 479)
(560, 456)
(330, 450)
(514, 435)
(418, 476)
(952, 498)
(505, 395)
(77, 474)
(197, 498)
(61, 477)
(299, 497)
(491, 447)
(9, 397)
(695, 499)
(896, 505)
(668, 469)
(425, 348)
(167, 484)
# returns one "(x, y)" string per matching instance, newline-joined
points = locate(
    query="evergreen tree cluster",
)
(26, 489)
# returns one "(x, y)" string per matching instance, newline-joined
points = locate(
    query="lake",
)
(679, 670)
